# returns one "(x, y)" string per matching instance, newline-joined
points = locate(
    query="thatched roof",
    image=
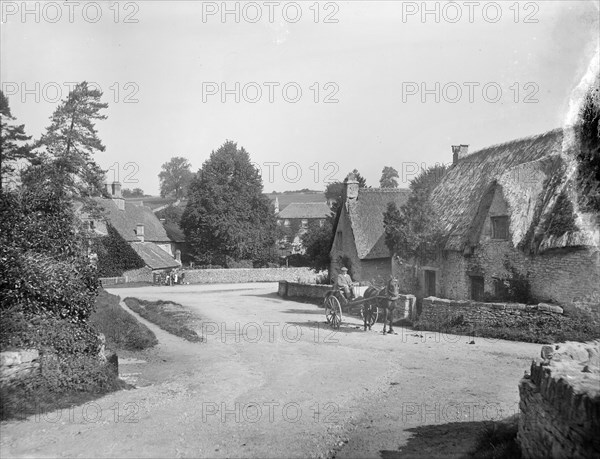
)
(305, 210)
(531, 174)
(366, 218)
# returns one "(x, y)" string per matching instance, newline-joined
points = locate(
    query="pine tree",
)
(388, 178)
(13, 142)
(227, 214)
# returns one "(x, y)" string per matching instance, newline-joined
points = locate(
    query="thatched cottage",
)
(510, 217)
(359, 240)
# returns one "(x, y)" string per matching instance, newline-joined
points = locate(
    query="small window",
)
(338, 240)
(304, 223)
(321, 222)
(500, 227)
(286, 222)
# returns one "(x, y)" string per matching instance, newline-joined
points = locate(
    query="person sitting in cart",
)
(344, 283)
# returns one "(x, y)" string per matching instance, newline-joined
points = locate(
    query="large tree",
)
(389, 177)
(227, 213)
(13, 141)
(64, 155)
(414, 231)
(317, 241)
(588, 155)
(175, 177)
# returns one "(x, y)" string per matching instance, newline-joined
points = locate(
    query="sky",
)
(312, 90)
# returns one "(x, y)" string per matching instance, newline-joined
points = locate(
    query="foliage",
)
(414, 230)
(238, 264)
(135, 193)
(227, 213)
(115, 255)
(43, 264)
(388, 178)
(588, 157)
(171, 317)
(171, 214)
(175, 177)
(63, 159)
(121, 329)
(13, 141)
(317, 241)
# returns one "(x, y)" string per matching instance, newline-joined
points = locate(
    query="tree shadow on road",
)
(464, 440)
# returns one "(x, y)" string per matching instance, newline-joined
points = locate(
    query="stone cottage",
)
(510, 214)
(296, 217)
(359, 240)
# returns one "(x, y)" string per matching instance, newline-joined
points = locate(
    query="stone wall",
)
(299, 290)
(560, 403)
(138, 275)
(232, 276)
(16, 365)
(439, 311)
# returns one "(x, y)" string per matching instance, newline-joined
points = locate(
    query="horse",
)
(386, 299)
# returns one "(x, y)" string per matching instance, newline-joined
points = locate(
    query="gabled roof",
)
(154, 256)
(125, 221)
(285, 199)
(366, 218)
(531, 174)
(305, 210)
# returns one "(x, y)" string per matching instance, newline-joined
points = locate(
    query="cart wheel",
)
(333, 311)
(374, 314)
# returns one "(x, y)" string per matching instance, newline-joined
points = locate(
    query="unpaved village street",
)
(272, 380)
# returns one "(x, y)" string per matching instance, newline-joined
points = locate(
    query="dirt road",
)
(272, 380)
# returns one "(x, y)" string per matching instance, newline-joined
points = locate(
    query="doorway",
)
(429, 283)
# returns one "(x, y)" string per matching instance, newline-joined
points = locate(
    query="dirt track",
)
(273, 381)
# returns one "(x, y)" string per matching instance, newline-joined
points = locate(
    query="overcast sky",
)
(162, 67)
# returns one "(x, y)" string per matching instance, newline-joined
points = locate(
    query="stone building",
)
(510, 214)
(296, 218)
(359, 240)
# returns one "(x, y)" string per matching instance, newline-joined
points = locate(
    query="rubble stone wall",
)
(560, 403)
(16, 365)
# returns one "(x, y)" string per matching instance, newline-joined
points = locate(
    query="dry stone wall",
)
(231, 276)
(17, 365)
(560, 403)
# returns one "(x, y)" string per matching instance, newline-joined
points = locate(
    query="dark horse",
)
(384, 298)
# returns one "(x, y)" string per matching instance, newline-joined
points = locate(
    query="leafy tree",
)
(64, 159)
(175, 177)
(388, 178)
(13, 141)
(135, 193)
(171, 214)
(227, 213)
(317, 241)
(414, 231)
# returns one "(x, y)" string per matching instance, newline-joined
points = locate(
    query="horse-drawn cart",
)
(336, 305)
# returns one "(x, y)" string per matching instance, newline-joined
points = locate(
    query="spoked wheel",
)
(333, 311)
(374, 315)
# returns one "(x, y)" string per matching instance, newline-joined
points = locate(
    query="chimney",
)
(459, 152)
(139, 231)
(178, 255)
(276, 205)
(116, 190)
(351, 187)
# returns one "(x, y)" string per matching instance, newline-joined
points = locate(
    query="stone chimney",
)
(276, 205)
(351, 187)
(139, 232)
(114, 190)
(459, 152)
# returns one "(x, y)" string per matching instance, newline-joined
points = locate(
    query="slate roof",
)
(126, 221)
(305, 210)
(285, 199)
(154, 256)
(521, 168)
(366, 218)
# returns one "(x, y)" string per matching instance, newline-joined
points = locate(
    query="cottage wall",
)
(347, 248)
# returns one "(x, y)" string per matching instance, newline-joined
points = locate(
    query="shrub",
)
(238, 264)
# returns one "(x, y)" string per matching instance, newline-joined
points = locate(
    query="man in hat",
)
(344, 283)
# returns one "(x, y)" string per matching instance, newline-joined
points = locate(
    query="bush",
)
(121, 329)
(238, 264)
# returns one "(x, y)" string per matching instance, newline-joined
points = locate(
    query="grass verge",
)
(121, 329)
(171, 317)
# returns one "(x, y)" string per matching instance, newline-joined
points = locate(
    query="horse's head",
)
(393, 286)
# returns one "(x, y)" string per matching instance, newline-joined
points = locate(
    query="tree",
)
(227, 213)
(64, 155)
(13, 141)
(414, 231)
(388, 178)
(175, 177)
(588, 156)
(135, 193)
(317, 241)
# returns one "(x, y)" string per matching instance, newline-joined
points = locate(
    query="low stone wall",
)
(560, 403)
(138, 275)
(232, 276)
(300, 290)
(16, 365)
(439, 310)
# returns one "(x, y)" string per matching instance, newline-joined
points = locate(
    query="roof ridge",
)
(382, 190)
(512, 142)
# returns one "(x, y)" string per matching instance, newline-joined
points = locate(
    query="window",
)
(338, 240)
(286, 222)
(321, 222)
(500, 227)
(304, 223)
(477, 288)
